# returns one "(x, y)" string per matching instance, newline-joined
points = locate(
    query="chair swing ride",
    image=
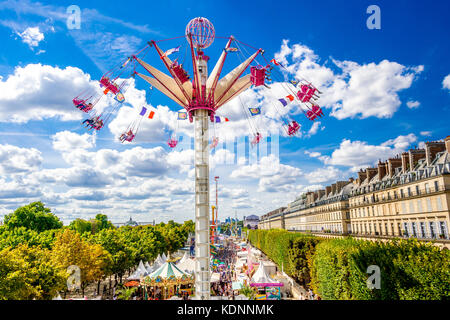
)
(200, 95)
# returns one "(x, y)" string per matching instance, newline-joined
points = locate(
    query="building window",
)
(405, 227)
(427, 188)
(443, 229)
(401, 193)
(419, 206)
(392, 229)
(439, 203)
(409, 192)
(422, 230)
(432, 230)
(414, 230)
(381, 230)
(399, 229)
(436, 186)
(430, 209)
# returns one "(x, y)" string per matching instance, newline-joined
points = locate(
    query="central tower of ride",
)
(201, 97)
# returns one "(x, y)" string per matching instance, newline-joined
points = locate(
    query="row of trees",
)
(338, 269)
(36, 250)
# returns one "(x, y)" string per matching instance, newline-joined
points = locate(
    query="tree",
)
(100, 223)
(81, 226)
(28, 273)
(34, 216)
(70, 249)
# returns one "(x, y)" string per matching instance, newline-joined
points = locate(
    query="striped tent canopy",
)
(168, 274)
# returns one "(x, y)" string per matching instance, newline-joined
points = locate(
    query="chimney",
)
(371, 172)
(351, 180)
(382, 170)
(431, 149)
(309, 197)
(414, 156)
(361, 176)
(405, 162)
(333, 188)
(327, 190)
(340, 185)
(392, 164)
(320, 193)
(447, 143)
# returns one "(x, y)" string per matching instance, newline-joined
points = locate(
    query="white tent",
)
(261, 276)
(187, 265)
(140, 272)
(184, 258)
(164, 257)
(159, 261)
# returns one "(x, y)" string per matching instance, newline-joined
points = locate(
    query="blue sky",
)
(383, 92)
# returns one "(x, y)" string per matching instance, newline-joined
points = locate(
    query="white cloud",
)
(425, 133)
(358, 154)
(14, 160)
(31, 36)
(413, 104)
(323, 175)
(69, 141)
(359, 90)
(446, 82)
(38, 92)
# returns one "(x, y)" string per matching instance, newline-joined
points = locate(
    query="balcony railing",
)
(404, 235)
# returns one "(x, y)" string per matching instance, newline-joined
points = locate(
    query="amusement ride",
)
(200, 94)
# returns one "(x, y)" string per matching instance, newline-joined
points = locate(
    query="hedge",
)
(336, 269)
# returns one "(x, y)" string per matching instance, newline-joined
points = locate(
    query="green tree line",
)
(337, 269)
(36, 250)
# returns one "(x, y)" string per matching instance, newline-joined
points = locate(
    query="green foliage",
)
(11, 238)
(81, 226)
(126, 293)
(336, 269)
(27, 273)
(34, 216)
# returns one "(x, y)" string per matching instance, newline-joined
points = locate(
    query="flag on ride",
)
(294, 82)
(275, 62)
(182, 115)
(231, 49)
(125, 63)
(106, 91)
(217, 119)
(119, 97)
(290, 97)
(283, 102)
(255, 111)
(143, 111)
(170, 51)
(151, 115)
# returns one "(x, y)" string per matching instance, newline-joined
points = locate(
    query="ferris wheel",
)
(200, 94)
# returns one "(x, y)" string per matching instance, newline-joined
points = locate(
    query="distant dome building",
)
(131, 223)
(251, 222)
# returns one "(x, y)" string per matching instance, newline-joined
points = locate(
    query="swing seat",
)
(172, 143)
(311, 115)
(257, 139)
(109, 85)
(215, 142)
(293, 128)
(180, 73)
(306, 93)
(130, 138)
(317, 110)
(257, 75)
(82, 105)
